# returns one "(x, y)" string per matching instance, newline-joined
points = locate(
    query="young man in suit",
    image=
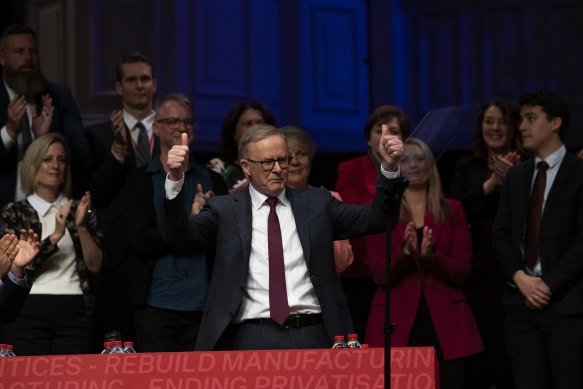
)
(118, 147)
(538, 240)
(31, 106)
(274, 283)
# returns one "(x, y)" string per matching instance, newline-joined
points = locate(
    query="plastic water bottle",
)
(9, 350)
(128, 348)
(116, 348)
(353, 341)
(339, 342)
(107, 347)
(6, 350)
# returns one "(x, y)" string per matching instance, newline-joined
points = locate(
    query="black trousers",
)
(452, 373)
(545, 348)
(51, 325)
(159, 330)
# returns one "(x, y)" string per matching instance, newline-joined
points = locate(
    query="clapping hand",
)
(8, 251)
(426, 244)
(119, 146)
(83, 210)
(502, 162)
(28, 248)
(41, 124)
(200, 199)
(16, 108)
(61, 222)
(411, 244)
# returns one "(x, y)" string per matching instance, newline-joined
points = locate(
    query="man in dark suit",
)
(31, 106)
(15, 254)
(118, 147)
(274, 282)
(540, 248)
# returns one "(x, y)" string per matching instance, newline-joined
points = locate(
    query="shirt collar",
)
(131, 121)
(41, 206)
(258, 199)
(11, 94)
(553, 159)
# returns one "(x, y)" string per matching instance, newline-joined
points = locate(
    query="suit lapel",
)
(559, 184)
(243, 218)
(301, 216)
(4, 101)
(523, 188)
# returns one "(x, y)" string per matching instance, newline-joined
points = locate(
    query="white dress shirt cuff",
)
(389, 174)
(173, 187)
(6, 139)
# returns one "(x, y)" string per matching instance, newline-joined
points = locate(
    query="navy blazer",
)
(12, 298)
(561, 233)
(66, 120)
(108, 177)
(226, 223)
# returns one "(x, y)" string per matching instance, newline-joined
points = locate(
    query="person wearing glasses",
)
(274, 283)
(118, 146)
(169, 283)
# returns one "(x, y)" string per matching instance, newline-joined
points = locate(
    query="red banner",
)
(411, 368)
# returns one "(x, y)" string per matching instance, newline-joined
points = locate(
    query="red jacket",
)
(439, 278)
(355, 184)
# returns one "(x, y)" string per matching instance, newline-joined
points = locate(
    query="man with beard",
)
(31, 106)
(118, 147)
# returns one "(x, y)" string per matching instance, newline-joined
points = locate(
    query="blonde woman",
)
(57, 316)
(430, 260)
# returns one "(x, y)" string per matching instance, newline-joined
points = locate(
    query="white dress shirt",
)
(57, 275)
(300, 291)
(131, 122)
(554, 161)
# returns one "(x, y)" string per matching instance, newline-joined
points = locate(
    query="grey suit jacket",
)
(226, 223)
(561, 233)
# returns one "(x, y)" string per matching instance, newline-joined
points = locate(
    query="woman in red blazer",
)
(430, 260)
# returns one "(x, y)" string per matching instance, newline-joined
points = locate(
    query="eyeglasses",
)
(268, 164)
(175, 122)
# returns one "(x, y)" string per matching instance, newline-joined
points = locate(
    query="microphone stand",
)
(393, 196)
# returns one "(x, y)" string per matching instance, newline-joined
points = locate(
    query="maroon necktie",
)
(279, 310)
(531, 250)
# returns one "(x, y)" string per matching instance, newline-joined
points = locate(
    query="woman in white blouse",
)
(57, 316)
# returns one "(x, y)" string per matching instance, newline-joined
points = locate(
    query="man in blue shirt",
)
(169, 284)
